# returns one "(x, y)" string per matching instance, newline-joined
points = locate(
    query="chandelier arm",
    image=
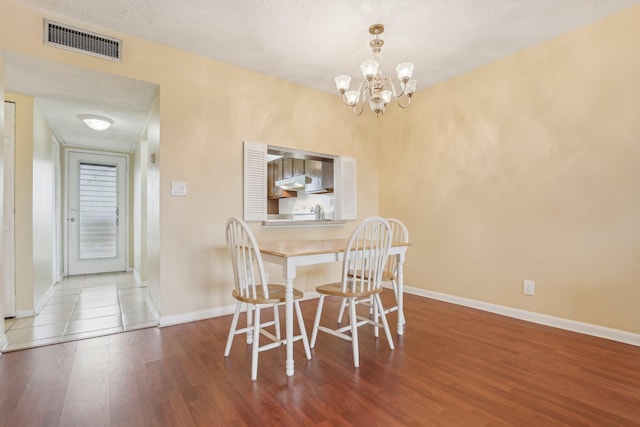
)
(362, 98)
(403, 86)
(406, 105)
(344, 99)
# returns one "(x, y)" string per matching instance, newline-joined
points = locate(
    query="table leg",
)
(400, 285)
(289, 276)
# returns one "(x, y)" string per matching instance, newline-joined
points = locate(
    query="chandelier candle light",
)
(376, 87)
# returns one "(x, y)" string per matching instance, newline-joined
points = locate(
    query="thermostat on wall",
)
(178, 188)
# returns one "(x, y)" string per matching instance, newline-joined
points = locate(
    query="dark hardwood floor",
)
(454, 366)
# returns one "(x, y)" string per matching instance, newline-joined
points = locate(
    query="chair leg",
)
(376, 315)
(250, 309)
(316, 322)
(256, 345)
(343, 305)
(387, 331)
(232, 329)
(354, 331)
(303, 330)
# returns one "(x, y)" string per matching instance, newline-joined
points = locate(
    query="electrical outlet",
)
(528, 287)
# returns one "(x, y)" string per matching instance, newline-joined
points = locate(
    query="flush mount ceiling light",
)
(96, 122)
(376, 87)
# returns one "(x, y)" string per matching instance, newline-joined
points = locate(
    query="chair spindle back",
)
(248, 269)
(365, 255)
(399, 233)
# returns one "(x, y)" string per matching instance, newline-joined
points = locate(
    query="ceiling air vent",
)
(66, 37)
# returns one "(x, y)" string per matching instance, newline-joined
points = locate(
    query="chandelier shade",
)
(377, 88)
(405, 71)
(369, 68)
(342, 82)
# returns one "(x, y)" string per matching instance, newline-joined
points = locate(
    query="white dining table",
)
(291, 254)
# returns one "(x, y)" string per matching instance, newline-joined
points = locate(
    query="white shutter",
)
(346, 190)
(255, 181)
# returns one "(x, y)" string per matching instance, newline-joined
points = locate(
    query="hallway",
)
(83, 307)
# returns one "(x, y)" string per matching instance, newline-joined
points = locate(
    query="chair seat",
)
(335, 289)
(276, 296)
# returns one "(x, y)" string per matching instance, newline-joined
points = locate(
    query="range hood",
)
(296, 183)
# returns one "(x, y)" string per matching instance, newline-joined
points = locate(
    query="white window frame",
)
(255, 182)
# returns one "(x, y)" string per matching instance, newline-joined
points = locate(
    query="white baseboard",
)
(529, 316)
(3, 341)
(211, 313)
(154, 310)
(543, 319)
(25, 313)
(138, 280)
(195, 316)
(40, 304)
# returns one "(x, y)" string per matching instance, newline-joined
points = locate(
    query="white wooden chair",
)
(251, 289)
(364, 260)
(399, 233)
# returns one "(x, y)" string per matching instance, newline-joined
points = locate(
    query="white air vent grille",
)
(66, 37)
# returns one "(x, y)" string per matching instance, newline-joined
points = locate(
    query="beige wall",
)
(140, 158)
(2, 254)
(43, 206)
(24, 201)
(528, 169)
(153, 204)
(34, 209)
(519, 170)
(207, 109)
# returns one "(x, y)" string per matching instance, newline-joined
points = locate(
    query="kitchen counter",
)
(290, 221)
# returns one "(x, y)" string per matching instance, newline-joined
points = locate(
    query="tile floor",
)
(83, 307)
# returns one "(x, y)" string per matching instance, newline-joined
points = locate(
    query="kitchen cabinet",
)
(327, 176)
(313, 169)
(287, 167)
(274, 173)
(321, 174)
(298, 167)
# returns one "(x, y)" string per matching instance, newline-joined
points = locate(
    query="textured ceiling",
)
(64, 93)
(309, 42)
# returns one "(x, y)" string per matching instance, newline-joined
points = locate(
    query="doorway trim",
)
(67, 168)
(57, 215)
(9, 257)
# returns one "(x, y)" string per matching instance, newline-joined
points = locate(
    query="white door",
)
(96, 212)
(7, 153)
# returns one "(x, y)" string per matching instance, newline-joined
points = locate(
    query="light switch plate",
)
(528, 287)
(178, 188)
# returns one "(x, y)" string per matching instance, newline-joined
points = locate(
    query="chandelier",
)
(376, 87)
